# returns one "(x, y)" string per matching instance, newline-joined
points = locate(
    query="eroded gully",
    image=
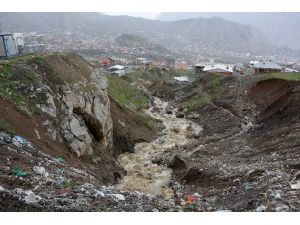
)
(142, 174)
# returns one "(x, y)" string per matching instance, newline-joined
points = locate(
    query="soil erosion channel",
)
(142, 174)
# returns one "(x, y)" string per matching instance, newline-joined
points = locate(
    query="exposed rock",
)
(177, 163)
(50, 107)
(179, 114)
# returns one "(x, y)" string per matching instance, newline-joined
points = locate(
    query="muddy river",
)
(142, 174)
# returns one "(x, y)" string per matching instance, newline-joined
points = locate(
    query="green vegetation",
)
(284, 76)
(125, 94)
(130, 97)
(50, 74)
(14, 77)
(147, 121)
(197, 101)
(205, 93)
(20, 76)
(212, 83)
(4, 127)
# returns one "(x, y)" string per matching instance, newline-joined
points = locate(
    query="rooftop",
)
(266, 65)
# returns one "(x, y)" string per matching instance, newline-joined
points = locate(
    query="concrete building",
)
(223, 69)
(182, 65)
(11, 44)
(265, 67)
(8, 45)
(118, 70)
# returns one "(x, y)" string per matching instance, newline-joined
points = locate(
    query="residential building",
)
(265, 67)
(181, 65)
(223, 69)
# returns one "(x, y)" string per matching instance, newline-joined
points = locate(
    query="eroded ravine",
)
(142, 174)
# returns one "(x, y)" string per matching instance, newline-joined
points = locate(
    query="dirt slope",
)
(248, 154)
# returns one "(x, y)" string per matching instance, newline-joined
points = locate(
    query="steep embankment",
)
(130, 124)
(58, 102)
(247, 157)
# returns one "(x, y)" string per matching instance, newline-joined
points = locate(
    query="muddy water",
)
(145, 176)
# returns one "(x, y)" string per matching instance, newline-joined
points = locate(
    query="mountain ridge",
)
(213, 32)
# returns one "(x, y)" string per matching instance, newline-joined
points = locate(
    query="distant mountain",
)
(213, 32)
(282, 29)
(136, 41)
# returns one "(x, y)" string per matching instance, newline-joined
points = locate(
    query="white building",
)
(118, 70)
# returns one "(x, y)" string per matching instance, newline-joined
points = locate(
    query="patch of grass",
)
(5, 70)
(41, 63)
(209, 89)
(5, 127)
(125, 94)
(15, 76)
(147, 121)
(285, 76)
(197, 101)
(212, 83)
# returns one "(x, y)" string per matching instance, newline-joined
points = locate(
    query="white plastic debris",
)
(31, 198)
(295, 186)
(261, 208)
(99, 194)
(118, 196)
(40, 170)
(282, 208)
(182, 79)
(18, 141)
(1, 188)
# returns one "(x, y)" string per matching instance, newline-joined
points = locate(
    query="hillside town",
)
(117, 60)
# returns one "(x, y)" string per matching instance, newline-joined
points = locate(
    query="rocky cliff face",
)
(70, 98)
(84, 108)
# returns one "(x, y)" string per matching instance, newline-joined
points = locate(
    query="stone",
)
(282, 208)
(37, 134)
(50, 108)
(118, 197)
(177, 163)
(261, 208)
(179, 114)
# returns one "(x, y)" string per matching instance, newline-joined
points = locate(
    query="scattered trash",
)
(1, 188)
(189, 199)
(277, 196)
(283, 208)
(60, 181)
(5, 138)
(31, 198)
(295, 186)
(99, 194)
(261, 208)
(182, 79)
(60, 160)
(19, 172)
(18, 141)
(40, 170)
(118, 196)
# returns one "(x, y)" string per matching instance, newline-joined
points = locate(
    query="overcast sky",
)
(147, 15)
